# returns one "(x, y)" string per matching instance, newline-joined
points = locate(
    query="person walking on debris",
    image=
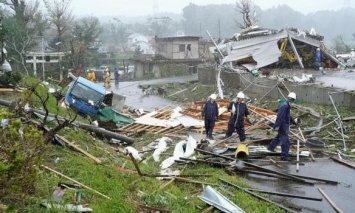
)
(210, 114)
(238, 110)
(282, 126)
(317, 57)
(107, 78)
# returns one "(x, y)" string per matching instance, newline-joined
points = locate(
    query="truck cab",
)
(85, 96)
(90, 99)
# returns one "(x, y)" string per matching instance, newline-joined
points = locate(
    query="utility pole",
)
(219, 29)
(43, 71)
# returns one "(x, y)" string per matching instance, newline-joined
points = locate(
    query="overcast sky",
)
(145, 7)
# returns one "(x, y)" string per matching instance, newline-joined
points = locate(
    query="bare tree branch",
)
(60, 14)
(245, 7)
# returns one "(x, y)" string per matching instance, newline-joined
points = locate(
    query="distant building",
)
(137, 39)
(180, 47)
(181, 50)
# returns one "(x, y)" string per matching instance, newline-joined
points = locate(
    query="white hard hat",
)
(240, 95)
(213, 96)
(318, 49)
(292, 95)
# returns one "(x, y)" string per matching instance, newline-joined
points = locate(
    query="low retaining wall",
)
(310, 93)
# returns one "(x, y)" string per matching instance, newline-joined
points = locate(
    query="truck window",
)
(86, 94)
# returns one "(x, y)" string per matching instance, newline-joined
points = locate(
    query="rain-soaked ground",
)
(344, 79)
(342, 194)
(136, 99)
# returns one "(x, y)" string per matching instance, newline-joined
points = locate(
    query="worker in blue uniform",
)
(282, 126)
(318, 58)
(210, 115)
(239, 111)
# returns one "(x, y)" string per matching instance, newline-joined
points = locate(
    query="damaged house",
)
(257, 47)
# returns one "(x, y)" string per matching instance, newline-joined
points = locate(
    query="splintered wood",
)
(155, 128)
(165, 121)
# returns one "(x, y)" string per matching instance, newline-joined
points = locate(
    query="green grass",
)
(128, 190)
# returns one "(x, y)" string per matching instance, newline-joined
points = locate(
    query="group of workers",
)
(107, 77)
(239, 112)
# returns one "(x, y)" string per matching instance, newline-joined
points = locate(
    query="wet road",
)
(343, 194)
(136, 99)
(344, 79)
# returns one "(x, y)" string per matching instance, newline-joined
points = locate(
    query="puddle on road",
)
(342, 194)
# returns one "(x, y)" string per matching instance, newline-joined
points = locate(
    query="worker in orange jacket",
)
(91, 76)
(107, 78)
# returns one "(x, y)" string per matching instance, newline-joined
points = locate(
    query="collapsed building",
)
(257, 47)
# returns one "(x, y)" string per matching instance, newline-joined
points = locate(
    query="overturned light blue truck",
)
(91, 99)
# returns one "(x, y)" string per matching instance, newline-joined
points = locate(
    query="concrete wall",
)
(310, 93)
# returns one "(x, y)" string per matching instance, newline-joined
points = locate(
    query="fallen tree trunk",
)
(105, 132)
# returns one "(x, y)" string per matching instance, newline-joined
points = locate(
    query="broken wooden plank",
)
(71, 144)
(348, 118)
(335, 207)
(77, 182)
(194, 181)
(275, 163)
(318, 179)
(155, 209)
(287, 195)
(208, 209)
(9, 90)
(343, 162)
(135, 164)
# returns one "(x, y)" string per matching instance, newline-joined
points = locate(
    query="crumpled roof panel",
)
(264, 54)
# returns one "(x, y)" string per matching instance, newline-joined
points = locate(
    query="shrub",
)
(22, 150)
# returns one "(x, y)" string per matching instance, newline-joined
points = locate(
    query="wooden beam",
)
(77, 182)
(286, 195)
(337, 209)
(343, 162)
(71, 144)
